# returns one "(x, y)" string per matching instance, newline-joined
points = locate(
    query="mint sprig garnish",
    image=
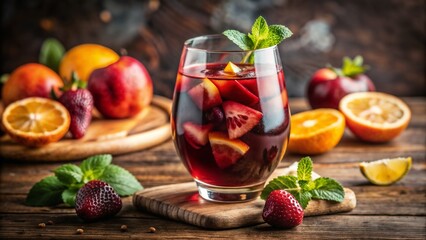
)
(303, 188)
(351, 67)
(261, 36)
(69, 178)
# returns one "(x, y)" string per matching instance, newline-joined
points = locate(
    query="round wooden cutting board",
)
(149, 128)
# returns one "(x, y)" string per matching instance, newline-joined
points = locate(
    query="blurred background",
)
(389, 34)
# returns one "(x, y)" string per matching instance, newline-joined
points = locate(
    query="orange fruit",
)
(36, 121)
(226, 151)
(85, 58)
(316, 131)
(375, 116)
(30, 80)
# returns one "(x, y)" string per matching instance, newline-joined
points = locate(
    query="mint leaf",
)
(328, 189)
(123, 182)
(277, 33)
(51, 53)
(94, 166)
(47, 192)
(288, 183)
(304, 169)
(261, 36)
(259, 31)
(303, 197)
(68, 196)
(240, 39)
(69, 174)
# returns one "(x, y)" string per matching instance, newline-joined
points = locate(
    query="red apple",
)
(122, 89)
(329, 85)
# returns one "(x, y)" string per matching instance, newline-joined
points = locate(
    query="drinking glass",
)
(230, 117)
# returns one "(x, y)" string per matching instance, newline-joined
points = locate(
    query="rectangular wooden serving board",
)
(181, 202)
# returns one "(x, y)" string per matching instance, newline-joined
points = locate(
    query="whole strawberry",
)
(97, 200)
(79, 103)
(282, 210)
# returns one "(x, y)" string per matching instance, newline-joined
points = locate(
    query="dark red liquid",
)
(267, 140)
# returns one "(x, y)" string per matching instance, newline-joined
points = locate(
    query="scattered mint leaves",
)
(47, 192)
(261, 36)
(51, 53)
(69, 178)
(303, 188)
(351, 68)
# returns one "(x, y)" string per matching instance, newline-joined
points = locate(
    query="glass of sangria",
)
(230, 118)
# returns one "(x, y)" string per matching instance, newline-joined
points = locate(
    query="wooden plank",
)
(24, 226)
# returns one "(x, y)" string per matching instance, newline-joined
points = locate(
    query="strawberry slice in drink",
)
(226, 151)
(233, 90)
(239, 118)
(205, 95)
(196, 135)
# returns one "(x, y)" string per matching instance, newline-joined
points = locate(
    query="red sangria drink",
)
(230, 120)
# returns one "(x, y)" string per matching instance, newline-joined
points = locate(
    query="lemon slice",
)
(386, 171)
(231, 68)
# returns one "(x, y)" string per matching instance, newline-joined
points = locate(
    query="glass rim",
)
(217, 36)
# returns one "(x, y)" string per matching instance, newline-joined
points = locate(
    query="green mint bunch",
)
(69, 178)
(351, 67)
(261, 36)
(303, 188)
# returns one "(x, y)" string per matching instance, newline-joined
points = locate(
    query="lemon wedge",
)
(386, 171)
(231, 68)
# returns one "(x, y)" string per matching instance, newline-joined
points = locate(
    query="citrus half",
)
(375, 116)
(316, 131)
(36, 121)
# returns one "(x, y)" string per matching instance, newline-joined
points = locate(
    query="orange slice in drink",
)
(316, 131)
(36, 121)
(226, 151)
(375, 116)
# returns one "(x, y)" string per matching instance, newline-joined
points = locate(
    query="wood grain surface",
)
(382, 212)
(114, 136)
(181, 202)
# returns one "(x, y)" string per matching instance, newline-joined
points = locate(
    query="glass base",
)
(229, 194)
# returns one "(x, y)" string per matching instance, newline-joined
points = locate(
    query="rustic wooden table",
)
(389, 212)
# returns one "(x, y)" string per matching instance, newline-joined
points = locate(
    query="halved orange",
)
(316, 131)
(375, 116)
(226, 151)
(36, 121)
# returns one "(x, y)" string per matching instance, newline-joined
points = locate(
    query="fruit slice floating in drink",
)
(226, 151)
